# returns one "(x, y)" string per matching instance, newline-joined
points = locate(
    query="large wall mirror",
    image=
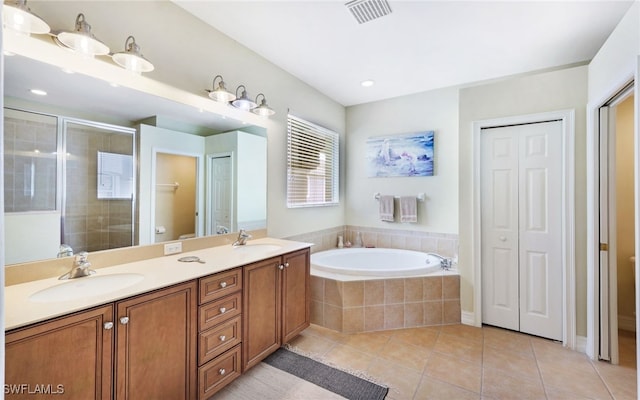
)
(122, 130)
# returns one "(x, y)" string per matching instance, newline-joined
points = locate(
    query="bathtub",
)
(363, 290)
(372, 263)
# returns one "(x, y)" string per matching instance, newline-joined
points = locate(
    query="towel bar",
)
(419, 196)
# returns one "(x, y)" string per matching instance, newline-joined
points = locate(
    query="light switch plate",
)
(172, 248)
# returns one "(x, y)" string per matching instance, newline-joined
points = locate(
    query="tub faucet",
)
(80, 267)
(445, 263)
(243, 236)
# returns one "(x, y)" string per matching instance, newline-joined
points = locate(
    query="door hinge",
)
(604, 247)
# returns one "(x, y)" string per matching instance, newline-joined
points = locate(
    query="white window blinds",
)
(312, 164)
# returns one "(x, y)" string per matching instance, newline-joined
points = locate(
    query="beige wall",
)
(435, 110)
(625, 215)
(544, 92)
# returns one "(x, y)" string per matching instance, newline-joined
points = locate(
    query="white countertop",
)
(160, 272)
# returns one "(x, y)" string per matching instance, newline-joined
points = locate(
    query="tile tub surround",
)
(382, 304)
(445, 244)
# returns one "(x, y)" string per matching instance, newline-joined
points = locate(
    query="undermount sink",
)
(258, 247)
(88, 286)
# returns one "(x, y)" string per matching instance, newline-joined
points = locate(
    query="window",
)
(312, 164)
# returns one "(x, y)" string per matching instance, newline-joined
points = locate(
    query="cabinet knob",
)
(222, 371)
(223, 310)
(286, 265)
(223, 338)
(281, 267)
(124, 320)
(503, 239)
(108, 325)
(223, 284)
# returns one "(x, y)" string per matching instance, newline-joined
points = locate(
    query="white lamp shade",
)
(132, 62)
(20, 19)
(83, 44)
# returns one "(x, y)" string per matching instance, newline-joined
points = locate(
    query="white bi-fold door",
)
(521, 200)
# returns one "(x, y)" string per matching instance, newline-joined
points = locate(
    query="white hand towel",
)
(386, 208)
(408, 209)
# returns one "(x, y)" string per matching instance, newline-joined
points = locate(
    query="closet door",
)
(521, 228)
(500, 270)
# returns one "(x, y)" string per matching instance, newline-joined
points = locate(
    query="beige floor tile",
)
(408, 355)
(326, 333)
(575, 378)
(402, 382)
(465, 374)
(422, 337)
(370, 342)
(349, 358)
(507, 340)
(497, 384)
(433, 389)
(456, 346)
(467, 332)
(310, 344)
(511, 363)
(620, 380)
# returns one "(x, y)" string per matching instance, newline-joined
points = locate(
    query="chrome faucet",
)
(243, 236)
(64, 251)
(80, 267)
(445, 263)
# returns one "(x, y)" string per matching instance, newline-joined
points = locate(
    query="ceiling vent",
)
(368, 10)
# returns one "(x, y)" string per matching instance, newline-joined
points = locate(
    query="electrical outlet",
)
(172, 248)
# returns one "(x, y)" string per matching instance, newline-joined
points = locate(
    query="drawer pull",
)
(223, 338)
(223, 310)
(108, 325)
(222, 371)
(223, 284)
(124, 320)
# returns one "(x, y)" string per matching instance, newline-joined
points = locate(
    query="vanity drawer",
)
(215, 341)
(218, 373)
(218, 311)
(219, 285)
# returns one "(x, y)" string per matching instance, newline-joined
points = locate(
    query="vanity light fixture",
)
(82, 40)
(18, 17)
(263, 109)
(131, 59)
(220, 93)
(243, 102)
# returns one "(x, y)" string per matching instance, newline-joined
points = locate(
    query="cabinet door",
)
(156, 344)
(296, 295)
(262, 307)
(70, 357)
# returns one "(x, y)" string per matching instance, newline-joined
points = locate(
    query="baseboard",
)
(626, 323)
(468, 318)
(581, 344)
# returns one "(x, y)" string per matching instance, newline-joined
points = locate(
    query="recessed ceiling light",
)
(38, 92)
(68, 71)
(367, 83)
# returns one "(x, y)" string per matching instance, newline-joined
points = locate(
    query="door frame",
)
(593, 207)
(568, 214)
(198, 179)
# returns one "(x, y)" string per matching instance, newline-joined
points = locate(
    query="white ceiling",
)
(422, 45)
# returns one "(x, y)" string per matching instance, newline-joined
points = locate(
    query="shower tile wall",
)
(93, 224)
(29, 164)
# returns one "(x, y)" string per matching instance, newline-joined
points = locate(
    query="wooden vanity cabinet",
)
(68, 357)
(156, 345)
(219, 331)
(276, 304)
(143, 347)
